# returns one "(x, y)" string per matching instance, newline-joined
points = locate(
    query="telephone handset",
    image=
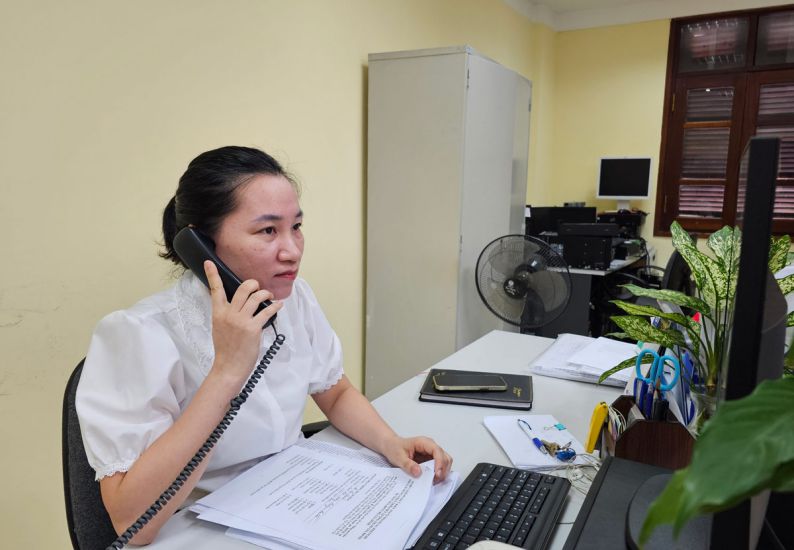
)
(193, 248)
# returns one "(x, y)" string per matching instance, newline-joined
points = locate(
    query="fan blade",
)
(509, 308)
(552, 287)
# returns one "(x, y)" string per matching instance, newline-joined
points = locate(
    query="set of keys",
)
(561, 452)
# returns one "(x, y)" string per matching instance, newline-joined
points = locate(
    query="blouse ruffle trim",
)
(331, 383)
(114, 468)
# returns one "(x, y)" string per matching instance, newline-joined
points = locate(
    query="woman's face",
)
(261, 239)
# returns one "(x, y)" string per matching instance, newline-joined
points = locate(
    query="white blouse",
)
(145, 363)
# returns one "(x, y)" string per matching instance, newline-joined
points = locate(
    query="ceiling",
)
(564, 15)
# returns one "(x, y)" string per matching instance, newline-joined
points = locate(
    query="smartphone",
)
(468, 382)
(193, 247)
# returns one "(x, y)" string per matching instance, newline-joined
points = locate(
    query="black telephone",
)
(193, 248)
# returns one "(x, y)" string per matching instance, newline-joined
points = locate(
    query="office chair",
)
(678, 275)
(89, 524)
(90, 527)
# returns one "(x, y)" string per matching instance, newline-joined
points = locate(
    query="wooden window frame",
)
(745, 111)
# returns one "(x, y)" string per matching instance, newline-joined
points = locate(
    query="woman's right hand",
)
(236, 331)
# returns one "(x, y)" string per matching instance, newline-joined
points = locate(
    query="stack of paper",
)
(582, 358)
(519, 447)
(321, 496)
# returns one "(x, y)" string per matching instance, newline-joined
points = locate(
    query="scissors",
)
(648, 384)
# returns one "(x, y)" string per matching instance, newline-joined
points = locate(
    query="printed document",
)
(306, 497)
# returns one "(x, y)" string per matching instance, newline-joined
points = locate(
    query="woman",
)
(159, 376)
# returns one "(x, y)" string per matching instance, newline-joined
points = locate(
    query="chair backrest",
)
(90, 527)
(678, 275)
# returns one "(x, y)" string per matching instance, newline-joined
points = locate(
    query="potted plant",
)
(759, 424)
(704, 339)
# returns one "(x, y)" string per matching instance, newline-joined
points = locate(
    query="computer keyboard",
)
(498, 503)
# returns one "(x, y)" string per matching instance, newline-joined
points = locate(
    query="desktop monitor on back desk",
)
(623, 489)
(546, 219)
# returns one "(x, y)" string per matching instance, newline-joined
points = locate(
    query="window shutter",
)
(730, 77)
(713, 44)
(775, 43)
(696, 173)
(773, 93)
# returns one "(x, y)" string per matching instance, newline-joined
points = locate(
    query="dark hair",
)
(206, 193)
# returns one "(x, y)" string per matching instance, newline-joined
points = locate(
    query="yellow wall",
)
(608, 96)
(102, 105)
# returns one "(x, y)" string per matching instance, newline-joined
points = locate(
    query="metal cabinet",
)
(448, 139)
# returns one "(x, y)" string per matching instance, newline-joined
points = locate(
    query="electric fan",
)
(523, 281)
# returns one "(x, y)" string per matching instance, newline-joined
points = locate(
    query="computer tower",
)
(587, 252)
(628, 221)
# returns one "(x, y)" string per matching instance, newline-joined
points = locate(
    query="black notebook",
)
(518, 394)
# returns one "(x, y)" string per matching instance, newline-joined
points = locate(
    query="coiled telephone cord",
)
(216, 434)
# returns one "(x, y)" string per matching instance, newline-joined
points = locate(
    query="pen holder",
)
(663, 443)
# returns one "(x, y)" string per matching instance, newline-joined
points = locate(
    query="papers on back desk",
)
(582, 358)
(324, 497)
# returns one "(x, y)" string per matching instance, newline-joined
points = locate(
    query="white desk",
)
(576, 318)
(457, 428)
(615, 265)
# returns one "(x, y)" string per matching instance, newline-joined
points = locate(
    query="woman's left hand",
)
(407, 452)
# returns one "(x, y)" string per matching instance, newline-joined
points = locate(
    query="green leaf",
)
(709, 277)
(750, 435)
(650, 311)
(625, 364)
(639, 328)
(680, 235)
(672, 296)
(726, 244)
(691, 326)
(790, 319)
(778, 253)
(617, 336)
(786, 284)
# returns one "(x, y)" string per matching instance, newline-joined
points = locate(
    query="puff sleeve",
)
(326, 348)
(130, 392)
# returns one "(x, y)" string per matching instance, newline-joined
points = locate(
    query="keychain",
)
(561, 452)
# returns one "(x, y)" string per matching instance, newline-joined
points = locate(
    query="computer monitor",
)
(757, 321)
(624, 179)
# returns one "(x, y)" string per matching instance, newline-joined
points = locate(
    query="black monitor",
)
(754, 352)
(624, 179)
(546, 219)
(756, 340)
